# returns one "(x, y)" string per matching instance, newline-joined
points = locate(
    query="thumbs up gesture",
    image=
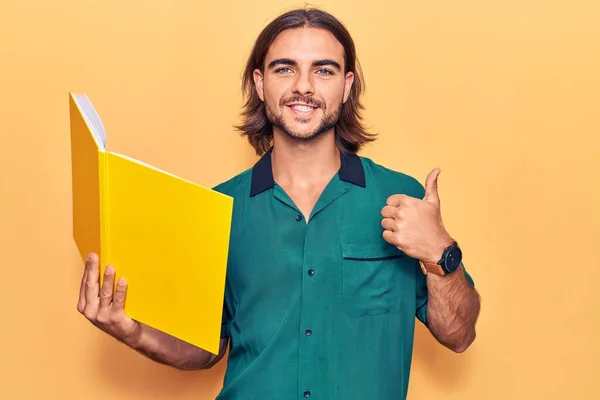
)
(415, 225)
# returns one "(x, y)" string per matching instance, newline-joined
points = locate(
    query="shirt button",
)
(306, 393)
(308, 332)
(311, 272)
(298, 217)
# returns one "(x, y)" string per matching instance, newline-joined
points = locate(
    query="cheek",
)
(274, 91)
(332, 94)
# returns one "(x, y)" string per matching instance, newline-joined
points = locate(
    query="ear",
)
(348, 85)
(258, 83)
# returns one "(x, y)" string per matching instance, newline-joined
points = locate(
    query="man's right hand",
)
(104, 307)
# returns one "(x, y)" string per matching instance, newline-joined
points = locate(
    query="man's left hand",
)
(415, 226)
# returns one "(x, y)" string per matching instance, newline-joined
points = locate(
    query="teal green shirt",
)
(325, 309)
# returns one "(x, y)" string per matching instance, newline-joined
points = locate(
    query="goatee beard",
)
(328, 121)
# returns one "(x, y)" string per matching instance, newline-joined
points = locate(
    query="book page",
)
(92, 119)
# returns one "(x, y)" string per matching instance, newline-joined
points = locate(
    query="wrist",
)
(136, 338)
(437, 250)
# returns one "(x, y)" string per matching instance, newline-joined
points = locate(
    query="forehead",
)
(306, 44)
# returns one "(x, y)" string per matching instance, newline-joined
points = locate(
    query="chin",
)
(302, 134)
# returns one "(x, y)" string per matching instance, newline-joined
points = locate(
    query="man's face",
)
(304, 85)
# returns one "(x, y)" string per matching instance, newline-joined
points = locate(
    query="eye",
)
(325, 72)
(282, 70)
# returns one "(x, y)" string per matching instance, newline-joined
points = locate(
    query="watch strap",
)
(434, 268)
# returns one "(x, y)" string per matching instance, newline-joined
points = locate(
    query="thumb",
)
(431, 187)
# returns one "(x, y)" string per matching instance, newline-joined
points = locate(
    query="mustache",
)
(301, 99)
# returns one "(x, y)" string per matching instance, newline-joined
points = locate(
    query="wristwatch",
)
(450, 261)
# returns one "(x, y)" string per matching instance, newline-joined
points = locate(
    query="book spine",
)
(104, 213)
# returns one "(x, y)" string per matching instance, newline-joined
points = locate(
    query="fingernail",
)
(121, 281)
(109, 270)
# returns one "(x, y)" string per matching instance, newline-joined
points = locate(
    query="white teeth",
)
(303, 108)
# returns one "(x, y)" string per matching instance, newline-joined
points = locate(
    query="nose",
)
(304, 84)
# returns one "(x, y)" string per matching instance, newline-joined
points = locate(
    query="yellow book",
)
(167, 236)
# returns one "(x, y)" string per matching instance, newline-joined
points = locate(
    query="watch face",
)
(453, 259)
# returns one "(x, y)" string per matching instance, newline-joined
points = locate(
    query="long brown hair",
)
(350, 134)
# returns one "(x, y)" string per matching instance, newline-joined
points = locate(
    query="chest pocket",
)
(373, 279)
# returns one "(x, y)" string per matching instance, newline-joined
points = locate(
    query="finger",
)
(106, 292)
(389, 224)
(388, 236)
(395, 213)
(389, 212)
(396, 200)
(91, 282)
(431, 187)
(120, 294)
(81, 301)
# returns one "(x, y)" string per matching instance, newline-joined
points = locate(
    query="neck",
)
(298, 163)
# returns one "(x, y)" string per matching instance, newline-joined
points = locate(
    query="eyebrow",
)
(292, 63)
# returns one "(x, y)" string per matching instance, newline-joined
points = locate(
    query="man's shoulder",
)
(391, 180)
(236, 185)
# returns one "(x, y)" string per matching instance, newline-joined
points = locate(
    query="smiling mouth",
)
(302, 109)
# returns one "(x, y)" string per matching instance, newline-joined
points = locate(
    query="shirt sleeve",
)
(226, 318)
(225, 324)
(227, 303)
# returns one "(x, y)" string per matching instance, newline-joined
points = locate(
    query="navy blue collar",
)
(351, 170)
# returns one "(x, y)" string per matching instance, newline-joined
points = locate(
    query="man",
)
(332, 256)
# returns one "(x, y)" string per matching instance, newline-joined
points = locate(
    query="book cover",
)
(169, 237)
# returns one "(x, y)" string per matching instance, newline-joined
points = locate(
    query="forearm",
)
(168, 350)
(452, 309)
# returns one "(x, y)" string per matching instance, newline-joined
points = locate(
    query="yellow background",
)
(503, 96)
